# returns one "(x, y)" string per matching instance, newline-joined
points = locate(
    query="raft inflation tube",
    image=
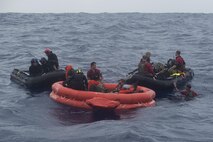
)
(123, 100)
(38, 82)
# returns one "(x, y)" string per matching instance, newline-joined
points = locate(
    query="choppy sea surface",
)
(116, 42)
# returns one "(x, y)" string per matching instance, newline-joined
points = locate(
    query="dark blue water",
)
(116, 42)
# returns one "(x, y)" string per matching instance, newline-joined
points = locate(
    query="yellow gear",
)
(178, 74)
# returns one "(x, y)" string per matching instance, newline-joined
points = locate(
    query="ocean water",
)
(116, 42)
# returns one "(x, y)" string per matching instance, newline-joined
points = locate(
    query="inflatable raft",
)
(160, 86)
(122, 100)
(38, 82)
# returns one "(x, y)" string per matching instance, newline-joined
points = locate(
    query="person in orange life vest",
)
(52, 59)
(148, 69)
(188, 92)
(179, 63)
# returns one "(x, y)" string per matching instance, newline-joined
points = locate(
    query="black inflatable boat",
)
(162, 86)
(38, 82)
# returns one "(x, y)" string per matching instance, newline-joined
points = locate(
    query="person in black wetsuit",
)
(76, 80)
(52, 59)
(45, 65)
(35, 69)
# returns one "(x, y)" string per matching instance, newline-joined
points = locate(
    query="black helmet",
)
(34, 60)
(43, 60)
(170, 63)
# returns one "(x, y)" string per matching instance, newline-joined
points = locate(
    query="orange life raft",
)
(122, 100)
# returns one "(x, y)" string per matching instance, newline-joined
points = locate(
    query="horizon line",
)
(106, 12)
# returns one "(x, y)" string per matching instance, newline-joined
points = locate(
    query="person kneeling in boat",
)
(52, 59)
(75, 79)
(45, 65)
(141, 63)
(145, 67)
(174, 67)
(179, 65)
(35, 69)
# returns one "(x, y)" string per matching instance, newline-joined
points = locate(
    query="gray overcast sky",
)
(97, 6)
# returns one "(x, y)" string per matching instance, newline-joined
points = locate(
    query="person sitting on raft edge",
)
(75, 79)
(95, 79)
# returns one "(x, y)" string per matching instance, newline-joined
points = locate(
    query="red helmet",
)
(68, 67)
(47, 50)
